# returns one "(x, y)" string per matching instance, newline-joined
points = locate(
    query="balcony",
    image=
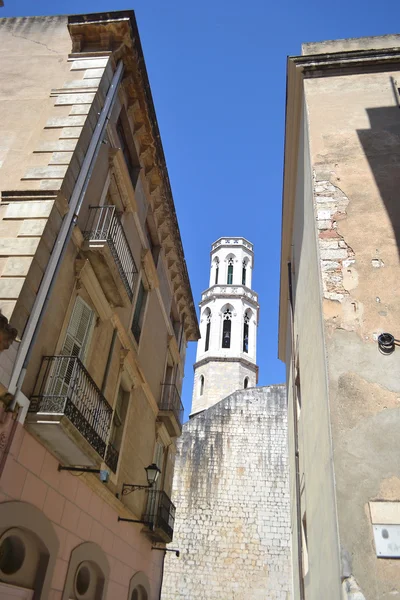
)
(69, 413)
(171, 409)
(110, 254)
(160, 512)
(112, 457)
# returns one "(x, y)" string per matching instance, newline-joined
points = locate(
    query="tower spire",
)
(226, 351)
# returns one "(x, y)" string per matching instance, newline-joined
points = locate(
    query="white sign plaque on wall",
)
(387, 541)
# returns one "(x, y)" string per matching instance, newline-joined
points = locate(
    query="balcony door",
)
(76, 342)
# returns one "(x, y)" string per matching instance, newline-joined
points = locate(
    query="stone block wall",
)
(220, 379)
(232, 502)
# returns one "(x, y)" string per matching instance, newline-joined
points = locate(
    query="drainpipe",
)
(296, 445)
(64, 235)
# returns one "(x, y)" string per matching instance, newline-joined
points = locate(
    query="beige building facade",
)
(97, 312)
(339, 293)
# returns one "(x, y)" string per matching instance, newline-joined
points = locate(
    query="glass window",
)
(129, 152)
(230, 271)
(244, 273)
(226, 329)
(246, 332)
(139, 312)
(208, 328)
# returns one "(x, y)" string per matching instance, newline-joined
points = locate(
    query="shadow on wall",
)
(381, 145)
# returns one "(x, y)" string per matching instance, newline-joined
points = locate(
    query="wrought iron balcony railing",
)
(104, 226)
(171, 401)
(112, 456)
(160, 512)
(64, 387)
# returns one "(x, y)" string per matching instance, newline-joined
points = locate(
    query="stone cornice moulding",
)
(243, 361)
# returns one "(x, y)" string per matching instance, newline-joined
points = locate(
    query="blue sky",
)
(217, 71)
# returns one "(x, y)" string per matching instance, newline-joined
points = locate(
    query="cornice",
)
(243, 361)
(229, 291)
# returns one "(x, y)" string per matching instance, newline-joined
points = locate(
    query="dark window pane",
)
(230, 274)
(138, 314)
(246, 337)
(207, 336)
(226, 334)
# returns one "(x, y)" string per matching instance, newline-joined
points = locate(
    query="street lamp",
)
(152, 473)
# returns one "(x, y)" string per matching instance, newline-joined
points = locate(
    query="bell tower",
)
(226, 351)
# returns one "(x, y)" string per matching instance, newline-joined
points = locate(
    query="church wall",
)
(220, 380)
(231, 492)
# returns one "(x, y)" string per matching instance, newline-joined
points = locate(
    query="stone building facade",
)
(232, 498)
(97, 312)
(339, 293)
(231, 479)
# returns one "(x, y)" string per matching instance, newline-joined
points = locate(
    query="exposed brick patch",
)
(335, 254)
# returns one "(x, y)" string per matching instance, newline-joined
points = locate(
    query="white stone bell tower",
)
(226, 352)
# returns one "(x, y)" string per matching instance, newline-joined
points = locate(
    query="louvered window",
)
(76, 343)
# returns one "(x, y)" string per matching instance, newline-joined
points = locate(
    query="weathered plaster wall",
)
(355, 141)
(351, 44)
(232, 498)
(315, 451)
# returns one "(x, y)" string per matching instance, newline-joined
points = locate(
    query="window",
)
(304, 544)
(298, 389)
(230, 271)
(138, 315)
(244, 272)
(76, 342)
(246, 331)
(79, 330)
(226, 329)
(129, 152)
(201, 384)
(246, 383)
(208, 328)
(216, 270)
(117, 429)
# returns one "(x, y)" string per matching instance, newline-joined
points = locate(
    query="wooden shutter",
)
(76, 342)
(79, 330)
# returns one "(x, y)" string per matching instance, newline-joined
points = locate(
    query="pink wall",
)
(78, 515)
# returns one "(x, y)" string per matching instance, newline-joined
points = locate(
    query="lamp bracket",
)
(128, 488)
(148, 523)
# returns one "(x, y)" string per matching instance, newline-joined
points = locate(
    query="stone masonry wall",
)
(232, 499)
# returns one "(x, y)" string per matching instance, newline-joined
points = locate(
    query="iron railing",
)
(111, 459)
(160, 512)
(104, 225)
(65, 387)
(171, 400)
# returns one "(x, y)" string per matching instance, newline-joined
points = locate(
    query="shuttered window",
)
(76, 343)
(79, 330)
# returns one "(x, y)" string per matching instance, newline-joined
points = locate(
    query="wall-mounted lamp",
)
(177, 552)
(387, 343)
(104, 475)
(148, 523)
(152, 473)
